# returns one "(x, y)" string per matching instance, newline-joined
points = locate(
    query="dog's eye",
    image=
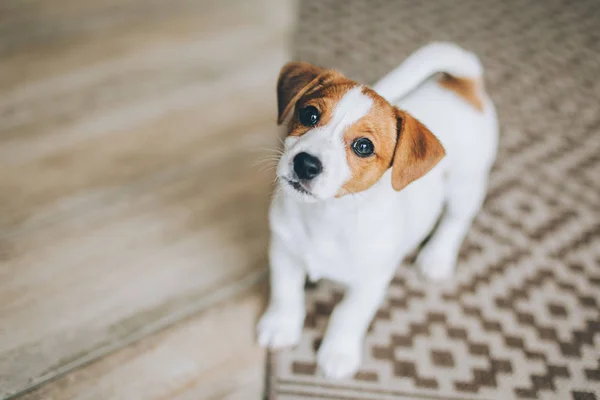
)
(308, 116)
(363, 147)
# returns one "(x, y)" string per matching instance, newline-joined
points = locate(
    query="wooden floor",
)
(210, 356)
(130, 195)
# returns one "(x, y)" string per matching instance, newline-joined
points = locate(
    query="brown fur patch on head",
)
(417, 151)
(379, 126)
(293, 80)
(466, 88)
(301, 84)
(323, 93)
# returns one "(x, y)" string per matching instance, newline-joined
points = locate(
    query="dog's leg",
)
(465, 195)
(281, 325)
(341, 350)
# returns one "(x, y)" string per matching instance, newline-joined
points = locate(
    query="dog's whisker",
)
(267, 157)
(280, 140)
(262, 160)
(267, 160)
(267, 168)
(277, 190)
(266, 164)
(269, 149)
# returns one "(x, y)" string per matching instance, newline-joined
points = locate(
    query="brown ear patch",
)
(417, 151)
(294, 79)
(466, 88)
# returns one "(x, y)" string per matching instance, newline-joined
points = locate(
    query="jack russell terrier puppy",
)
(363, 178)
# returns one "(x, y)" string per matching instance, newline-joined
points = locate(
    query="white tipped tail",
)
(428, 60)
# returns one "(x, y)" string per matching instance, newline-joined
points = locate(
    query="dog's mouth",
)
(298, 187)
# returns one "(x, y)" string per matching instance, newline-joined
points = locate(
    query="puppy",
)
(363, 179)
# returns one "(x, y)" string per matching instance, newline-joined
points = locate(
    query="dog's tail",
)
(433, 58)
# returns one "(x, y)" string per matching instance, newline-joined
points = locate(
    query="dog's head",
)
(342, 136)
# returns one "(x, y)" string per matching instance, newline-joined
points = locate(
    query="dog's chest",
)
(341, 243)
(329, 249)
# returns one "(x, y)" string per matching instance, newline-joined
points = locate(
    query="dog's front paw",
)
(436, 263)
(339, 359)
(280, 327)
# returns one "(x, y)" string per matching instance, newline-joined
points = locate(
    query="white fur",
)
(359, 240)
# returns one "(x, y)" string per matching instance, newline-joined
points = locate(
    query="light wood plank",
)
(210, 356)
(48, 38)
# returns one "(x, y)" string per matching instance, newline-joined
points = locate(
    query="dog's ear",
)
(294, 80)
(417, 150)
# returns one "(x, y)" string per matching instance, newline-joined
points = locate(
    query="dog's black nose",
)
(307, 166)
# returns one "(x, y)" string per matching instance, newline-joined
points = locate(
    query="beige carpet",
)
(521, 318)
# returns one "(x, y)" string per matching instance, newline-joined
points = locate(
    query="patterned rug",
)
(521, 319)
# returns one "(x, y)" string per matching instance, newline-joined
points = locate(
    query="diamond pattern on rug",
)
(521, 319)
